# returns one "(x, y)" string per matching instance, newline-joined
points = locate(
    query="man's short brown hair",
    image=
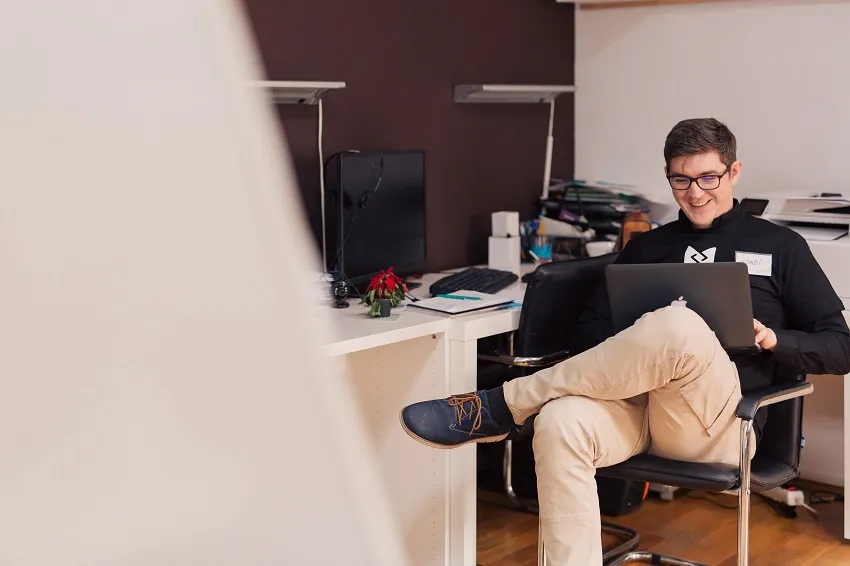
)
(700, 135)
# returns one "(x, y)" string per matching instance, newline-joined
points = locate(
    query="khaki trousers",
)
(663, 386)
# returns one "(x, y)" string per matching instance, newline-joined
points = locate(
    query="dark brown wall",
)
(400, 60)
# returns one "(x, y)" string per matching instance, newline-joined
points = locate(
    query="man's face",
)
(703, 186)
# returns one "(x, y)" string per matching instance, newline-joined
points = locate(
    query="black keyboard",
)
(479, 279)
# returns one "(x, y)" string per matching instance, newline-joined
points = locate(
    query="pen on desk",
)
(460, 297)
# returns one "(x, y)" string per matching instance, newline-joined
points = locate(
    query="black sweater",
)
(791, 295)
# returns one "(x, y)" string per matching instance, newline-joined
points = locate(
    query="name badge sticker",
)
(757, 264)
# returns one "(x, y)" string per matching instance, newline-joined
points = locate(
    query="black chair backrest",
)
(553, 301)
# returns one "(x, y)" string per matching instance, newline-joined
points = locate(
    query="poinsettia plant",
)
(385, 286)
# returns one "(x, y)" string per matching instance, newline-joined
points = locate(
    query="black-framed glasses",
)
(705, 182)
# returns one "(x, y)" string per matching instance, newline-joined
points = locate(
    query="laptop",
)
(718, 292)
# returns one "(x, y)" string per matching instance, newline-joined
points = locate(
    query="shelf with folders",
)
(601, 208)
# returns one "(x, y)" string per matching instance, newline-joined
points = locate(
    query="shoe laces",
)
(466, 405)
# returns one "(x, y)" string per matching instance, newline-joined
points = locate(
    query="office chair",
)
(777, 461)
(553, 300)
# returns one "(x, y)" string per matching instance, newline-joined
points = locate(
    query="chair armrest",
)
(525, 361)
(758, 398)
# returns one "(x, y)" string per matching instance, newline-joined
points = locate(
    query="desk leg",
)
(416, 479)
(846, 445)
(846, 454)
(462, 378)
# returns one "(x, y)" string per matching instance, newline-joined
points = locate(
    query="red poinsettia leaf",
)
(391, 284)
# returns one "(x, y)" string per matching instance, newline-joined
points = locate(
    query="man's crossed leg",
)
(663, 386)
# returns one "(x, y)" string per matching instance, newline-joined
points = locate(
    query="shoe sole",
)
(421, 440)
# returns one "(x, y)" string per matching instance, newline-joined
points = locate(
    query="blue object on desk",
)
(541, 248)
(459, 297)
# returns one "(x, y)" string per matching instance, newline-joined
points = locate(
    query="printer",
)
(830, 211)
(823, 220)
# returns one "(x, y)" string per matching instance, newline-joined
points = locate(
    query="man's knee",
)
(563, 424)
(680, 328)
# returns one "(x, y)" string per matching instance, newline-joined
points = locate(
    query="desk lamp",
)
(306, 92)
(519, 94)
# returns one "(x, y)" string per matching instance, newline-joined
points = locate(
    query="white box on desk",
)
(504, 253)
(504, 224)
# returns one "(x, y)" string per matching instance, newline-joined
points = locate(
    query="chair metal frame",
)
(746, 411)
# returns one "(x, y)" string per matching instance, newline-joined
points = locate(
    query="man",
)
(664, 385)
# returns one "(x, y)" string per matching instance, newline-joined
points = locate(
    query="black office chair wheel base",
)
(629, 537)
(651, 558)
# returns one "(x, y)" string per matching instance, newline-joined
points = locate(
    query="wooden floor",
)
(695, 526)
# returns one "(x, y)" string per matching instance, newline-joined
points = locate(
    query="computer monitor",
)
(382, 211)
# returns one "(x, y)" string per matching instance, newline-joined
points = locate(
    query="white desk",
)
(424, 356)
(394, 363)
(826, 418)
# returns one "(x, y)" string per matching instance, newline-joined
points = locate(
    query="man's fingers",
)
(761, 335)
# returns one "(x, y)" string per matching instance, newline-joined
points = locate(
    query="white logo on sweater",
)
(693, 256)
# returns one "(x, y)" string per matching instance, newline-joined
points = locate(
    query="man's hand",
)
(765, 337)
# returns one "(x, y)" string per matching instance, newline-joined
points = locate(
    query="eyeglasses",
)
(706, 182)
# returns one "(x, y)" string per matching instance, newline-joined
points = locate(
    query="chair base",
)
(631, 540)
(629, 537)
(652, 558)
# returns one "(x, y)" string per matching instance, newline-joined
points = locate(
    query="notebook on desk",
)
(462, 302)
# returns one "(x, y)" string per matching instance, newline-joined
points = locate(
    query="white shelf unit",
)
(518, 94)
(310, 93)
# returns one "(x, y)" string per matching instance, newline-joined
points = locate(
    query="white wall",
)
(162, 396)
(777, 72)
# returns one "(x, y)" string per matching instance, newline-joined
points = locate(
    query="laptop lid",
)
(718, 292)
